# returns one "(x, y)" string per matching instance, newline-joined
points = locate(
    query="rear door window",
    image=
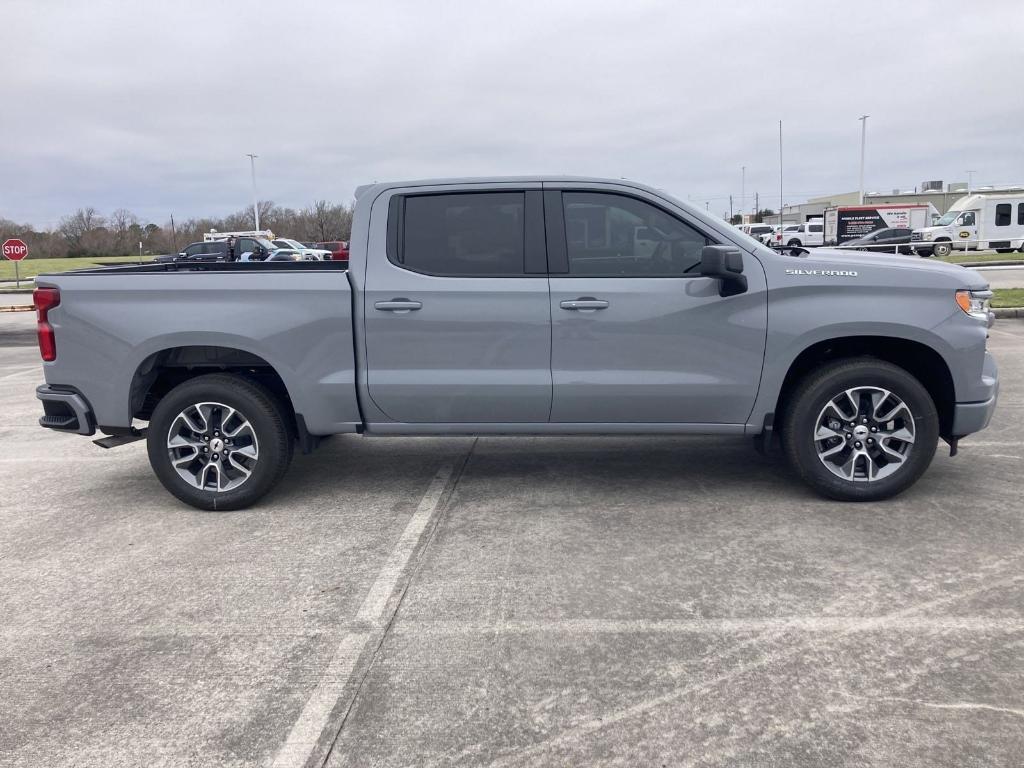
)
(1003, 214)
(474, 234)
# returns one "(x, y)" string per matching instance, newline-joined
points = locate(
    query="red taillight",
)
(46, 299)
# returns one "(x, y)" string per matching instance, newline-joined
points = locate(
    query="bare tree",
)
(76, 227)
(121, 224)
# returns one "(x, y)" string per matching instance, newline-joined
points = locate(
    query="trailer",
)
(849, 222)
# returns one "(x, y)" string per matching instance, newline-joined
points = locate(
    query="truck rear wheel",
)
(219, 442)
(860, 429)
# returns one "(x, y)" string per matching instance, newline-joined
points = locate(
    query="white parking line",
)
(373, 606)
(303, 737)
(814, 624)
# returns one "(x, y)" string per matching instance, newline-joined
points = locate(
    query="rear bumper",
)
(65, 411)
(974, 417)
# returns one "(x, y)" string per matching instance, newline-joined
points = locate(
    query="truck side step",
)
(113, 441)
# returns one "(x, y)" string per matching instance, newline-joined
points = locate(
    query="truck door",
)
(966, 234)
(456, 311)
(637, 334)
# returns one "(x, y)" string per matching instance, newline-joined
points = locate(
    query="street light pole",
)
(780, 176)
(863, 141)
(255, 200)
(970, 178)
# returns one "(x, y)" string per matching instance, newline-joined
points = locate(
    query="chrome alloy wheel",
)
(864, 434)
(212, 446)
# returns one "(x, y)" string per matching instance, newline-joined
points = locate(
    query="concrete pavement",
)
(508, 601)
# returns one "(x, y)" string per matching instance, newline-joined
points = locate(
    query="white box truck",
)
(849, 222)
(976, 223)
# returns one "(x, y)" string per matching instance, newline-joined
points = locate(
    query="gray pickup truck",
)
(523, 306)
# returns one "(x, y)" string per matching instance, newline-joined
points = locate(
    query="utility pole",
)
(863, 140)
(707, 206)
(970, 179)
(730, 209)
(174, 237)
(743, 188)
(255, 200)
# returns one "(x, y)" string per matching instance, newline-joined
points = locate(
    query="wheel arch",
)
(159, 372)
(917, 358)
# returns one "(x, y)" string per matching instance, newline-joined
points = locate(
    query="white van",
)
(977, 223)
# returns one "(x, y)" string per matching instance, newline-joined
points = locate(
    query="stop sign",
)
(15, 249)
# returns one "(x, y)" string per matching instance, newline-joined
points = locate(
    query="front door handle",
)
(400, 306)
(584, 304)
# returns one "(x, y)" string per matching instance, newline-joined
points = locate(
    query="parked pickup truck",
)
(522, 306)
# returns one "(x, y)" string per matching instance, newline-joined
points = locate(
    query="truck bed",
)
(114, 323)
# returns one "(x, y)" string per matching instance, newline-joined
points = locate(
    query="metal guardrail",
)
(895, 248)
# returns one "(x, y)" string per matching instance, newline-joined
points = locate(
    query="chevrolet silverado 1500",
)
(515, 306)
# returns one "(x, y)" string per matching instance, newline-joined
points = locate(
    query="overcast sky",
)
(152, 106)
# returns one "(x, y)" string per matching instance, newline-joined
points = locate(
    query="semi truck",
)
(522, 306)
(850, 222)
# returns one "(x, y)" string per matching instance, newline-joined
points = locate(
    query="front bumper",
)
(969, 418)
(65, 411)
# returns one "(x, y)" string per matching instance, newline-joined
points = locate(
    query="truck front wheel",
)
(219, 442)
(943, 248)
(860, 429)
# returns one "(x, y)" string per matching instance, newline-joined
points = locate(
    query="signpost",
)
(15, 250)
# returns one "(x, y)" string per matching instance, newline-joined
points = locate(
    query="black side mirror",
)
(725, 263)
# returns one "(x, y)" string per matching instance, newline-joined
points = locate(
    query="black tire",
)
(800, 421)
(794, 243)
(942, 248)
(270, 426)
(1005, 250)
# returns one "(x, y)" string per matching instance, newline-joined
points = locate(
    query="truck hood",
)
(831, 258)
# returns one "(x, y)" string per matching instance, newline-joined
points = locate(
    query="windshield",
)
(266, 244)
(947, 218)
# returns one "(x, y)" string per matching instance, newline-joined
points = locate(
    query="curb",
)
(1005, 312)
(977, 264)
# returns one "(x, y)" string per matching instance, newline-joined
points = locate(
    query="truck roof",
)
(461, 180)
(970, 201)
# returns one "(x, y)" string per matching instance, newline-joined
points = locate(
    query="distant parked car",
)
(809, 233)
(320, 254)
(778, 232)
(338, 249)
(756, 231)
(198, 252)
(883, 240)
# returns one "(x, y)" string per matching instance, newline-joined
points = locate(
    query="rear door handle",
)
(400, 306)
(584, 304)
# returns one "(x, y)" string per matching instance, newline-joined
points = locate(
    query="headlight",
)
(929, 235)
(975, 303)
